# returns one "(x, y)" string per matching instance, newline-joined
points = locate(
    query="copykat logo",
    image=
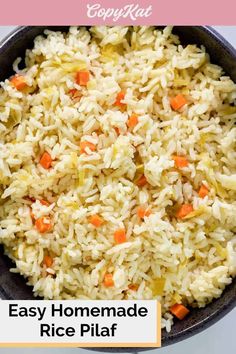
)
(130, 11)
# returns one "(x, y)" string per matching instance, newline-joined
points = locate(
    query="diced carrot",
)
(44, 202)
(177, 102)
(180, 311)
(184, 210)
(48, 261)
(143, 212)
(108, 280)
(86, 144)
(75, 95)
(96, 220)
(133, 287)
(141, 181)
(132, 121)
(203, 191)
(82, 77)
(19, 82)
(120, 96)
(180, 161)
(46, 160)
(120, 236)
(43, 224)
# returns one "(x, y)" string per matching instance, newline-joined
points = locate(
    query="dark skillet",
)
(13, 286)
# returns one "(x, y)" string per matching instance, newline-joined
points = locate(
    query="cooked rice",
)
(196, 256)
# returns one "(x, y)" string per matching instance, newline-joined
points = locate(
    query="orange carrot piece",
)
(120, 236)
(44, 202)
(120, 96)
(132, 121)
(142, 212)
(133, 287)
(82, 77)
(184, 210)
(203, 191)
(179, 311)
(180, 161)
(18, 81)
(43, 224)
(141, 181)
(177, 102)
(86, 144)
(46, 160)
(75, 95)
(96, 220)
(48, 261)
(108, 280)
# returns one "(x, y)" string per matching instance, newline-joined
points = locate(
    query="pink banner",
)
(119, 12)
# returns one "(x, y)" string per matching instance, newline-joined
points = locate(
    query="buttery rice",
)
(188, 260)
